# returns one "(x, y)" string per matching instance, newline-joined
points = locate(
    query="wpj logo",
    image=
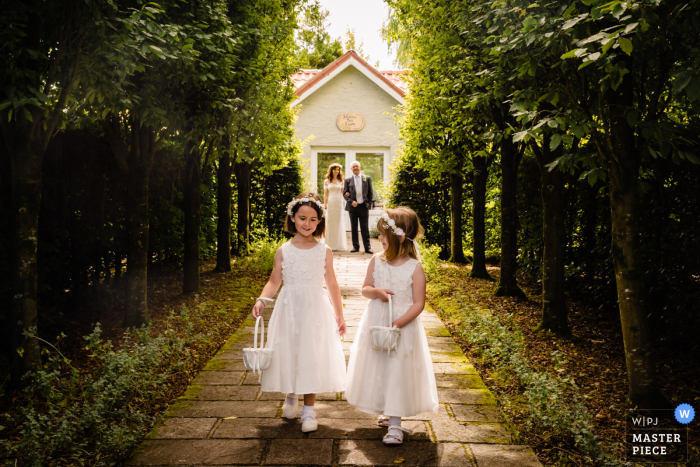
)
(645, 421)
(658, 436)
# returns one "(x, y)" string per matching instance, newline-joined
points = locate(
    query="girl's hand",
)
(384, 294)
(342, 328)
(258, 308)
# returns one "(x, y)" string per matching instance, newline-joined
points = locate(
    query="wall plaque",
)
(350, 121)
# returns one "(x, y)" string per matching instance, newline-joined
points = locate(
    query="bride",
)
(336, 238)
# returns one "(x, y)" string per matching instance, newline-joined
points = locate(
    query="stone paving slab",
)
(364, 452)
(364, 429)
(221, 393)
(260, 428)
(466, 396)
(227, 378)
(300, 451)
(187, 428)
(504, 456)
(228, 364)
(454, 369)
(223, 409)
(207, 452)
(470, 381)
(476, 413)
(493, 433)
(224, 419)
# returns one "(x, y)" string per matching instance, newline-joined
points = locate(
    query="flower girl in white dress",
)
(305, 326)
(400, 383)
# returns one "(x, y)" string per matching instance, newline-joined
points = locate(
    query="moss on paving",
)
(192, 392)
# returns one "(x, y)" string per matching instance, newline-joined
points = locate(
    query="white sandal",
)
(397, 436)
(383, 420)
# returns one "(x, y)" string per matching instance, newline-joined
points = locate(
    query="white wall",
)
(349, 91)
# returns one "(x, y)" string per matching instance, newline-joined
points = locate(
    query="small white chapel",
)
(348, 109)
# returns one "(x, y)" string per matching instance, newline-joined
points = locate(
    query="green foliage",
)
(66, 417)
(411, 187)
(554, 401)
(270, 194)
(316, 48)
(261, 257)
(429, 255)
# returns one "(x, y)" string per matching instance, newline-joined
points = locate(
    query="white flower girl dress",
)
(308, 356)
(400, 384)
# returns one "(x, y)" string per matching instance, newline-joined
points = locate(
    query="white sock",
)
(307, 408)
(292, 399)
(395, 421)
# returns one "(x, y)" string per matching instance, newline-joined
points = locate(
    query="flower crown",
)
(304, 200)
(335, 164)
(390, 224)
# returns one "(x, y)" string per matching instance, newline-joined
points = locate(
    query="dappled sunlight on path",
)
(224, 418)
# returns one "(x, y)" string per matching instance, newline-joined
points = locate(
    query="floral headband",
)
(304, 200)
(389, 223)
(335, 164)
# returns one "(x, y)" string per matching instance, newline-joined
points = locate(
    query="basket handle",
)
(260, 320)
(391, 311)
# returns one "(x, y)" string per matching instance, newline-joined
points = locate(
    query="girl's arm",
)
(334, 292)
(272, 285)
(418, 298)
(368, 288)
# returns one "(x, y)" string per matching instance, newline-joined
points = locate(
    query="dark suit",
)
(361, 211)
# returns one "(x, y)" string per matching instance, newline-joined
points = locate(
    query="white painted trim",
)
(362, 69)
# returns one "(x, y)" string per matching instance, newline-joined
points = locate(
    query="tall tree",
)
(44, 48)
(138, 108)
(625, 78)
(315, 47)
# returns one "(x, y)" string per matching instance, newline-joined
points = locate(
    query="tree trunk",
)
(223, 211)
(26, 155)
(243, 171)
(589, 238)
(554, 312)
(481, 174)
(136, 160)
(623, 161)
(510, 160)
(192, 204)
(456, 189)
(136, 313)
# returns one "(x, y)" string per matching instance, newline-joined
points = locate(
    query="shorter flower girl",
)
(400, 384)
(305, 326)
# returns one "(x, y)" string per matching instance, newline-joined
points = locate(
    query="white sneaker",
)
(290, 410)
(308, 421)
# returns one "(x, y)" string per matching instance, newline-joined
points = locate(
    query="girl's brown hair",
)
(330, 171)
(406, 219)
(313, 197)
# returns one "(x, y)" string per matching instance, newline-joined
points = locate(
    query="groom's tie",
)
(358, 189)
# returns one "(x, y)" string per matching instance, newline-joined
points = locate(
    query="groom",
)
(357, 191)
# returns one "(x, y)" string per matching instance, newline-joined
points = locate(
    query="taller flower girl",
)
(303, 332)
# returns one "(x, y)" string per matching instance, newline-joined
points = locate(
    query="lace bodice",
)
(303, 267)
(398, 279)
(335, 191)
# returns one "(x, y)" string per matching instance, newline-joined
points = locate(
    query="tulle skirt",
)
(308, 356)
(400, 384)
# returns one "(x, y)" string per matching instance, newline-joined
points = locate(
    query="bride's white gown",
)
(336, 238)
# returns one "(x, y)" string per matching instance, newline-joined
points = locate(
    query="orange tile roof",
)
(393, 77)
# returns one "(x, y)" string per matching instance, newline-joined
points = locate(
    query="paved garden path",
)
(224, 418)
